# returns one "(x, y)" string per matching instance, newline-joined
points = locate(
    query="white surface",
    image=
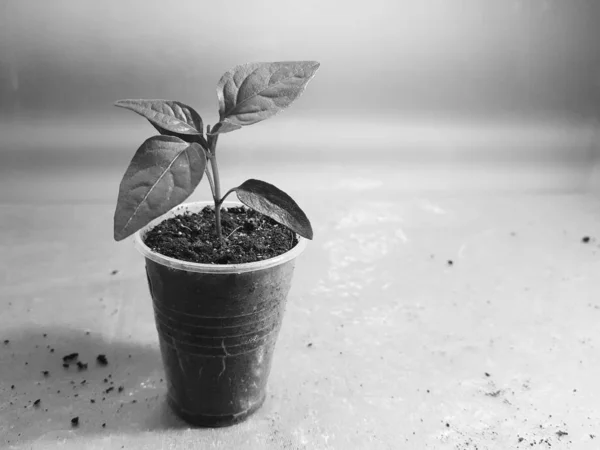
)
(401, 341)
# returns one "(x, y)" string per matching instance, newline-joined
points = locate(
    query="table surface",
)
(384, 345)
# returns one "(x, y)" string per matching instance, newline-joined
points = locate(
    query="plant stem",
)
(210, 181)
(212, 142)
(225, 196)
(215, 169)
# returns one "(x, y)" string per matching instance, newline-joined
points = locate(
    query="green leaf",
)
(252, 92)
(169, 115)
(163, 172)
(186, 137)
(225, 126)
(276, 204)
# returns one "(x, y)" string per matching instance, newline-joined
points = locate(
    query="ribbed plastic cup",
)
(217, 328)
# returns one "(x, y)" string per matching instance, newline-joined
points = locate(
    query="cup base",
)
(214, 421)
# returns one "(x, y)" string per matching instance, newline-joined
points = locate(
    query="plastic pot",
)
(217, 327)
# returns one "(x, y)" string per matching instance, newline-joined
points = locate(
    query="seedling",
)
(167, 168)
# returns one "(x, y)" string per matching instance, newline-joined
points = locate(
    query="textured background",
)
(458, 57)
(401, 82)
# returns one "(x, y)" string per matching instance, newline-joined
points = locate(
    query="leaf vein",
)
(280, 82)
(150, 190)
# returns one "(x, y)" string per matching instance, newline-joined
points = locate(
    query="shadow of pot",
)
(217, 328)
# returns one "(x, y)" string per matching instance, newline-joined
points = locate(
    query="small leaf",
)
(169, 115)
(276, 204)
(252, 92)
(225, 126)
(163, 172)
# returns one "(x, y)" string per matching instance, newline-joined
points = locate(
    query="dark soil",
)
(70, 357)
(248, 236)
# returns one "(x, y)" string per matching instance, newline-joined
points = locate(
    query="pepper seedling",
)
(167, 168)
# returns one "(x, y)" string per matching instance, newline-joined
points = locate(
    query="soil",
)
(70, 357)
(248, 236)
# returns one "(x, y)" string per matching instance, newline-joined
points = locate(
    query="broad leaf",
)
(169, 115)
(186, 137)
(276, 204)
(252, 92)
(163, 172)
(225, 126)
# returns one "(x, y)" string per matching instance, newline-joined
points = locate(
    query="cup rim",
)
(178, 264)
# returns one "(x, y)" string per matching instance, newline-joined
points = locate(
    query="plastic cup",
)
(217, 327)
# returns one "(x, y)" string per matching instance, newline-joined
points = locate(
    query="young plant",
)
(166, 168)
